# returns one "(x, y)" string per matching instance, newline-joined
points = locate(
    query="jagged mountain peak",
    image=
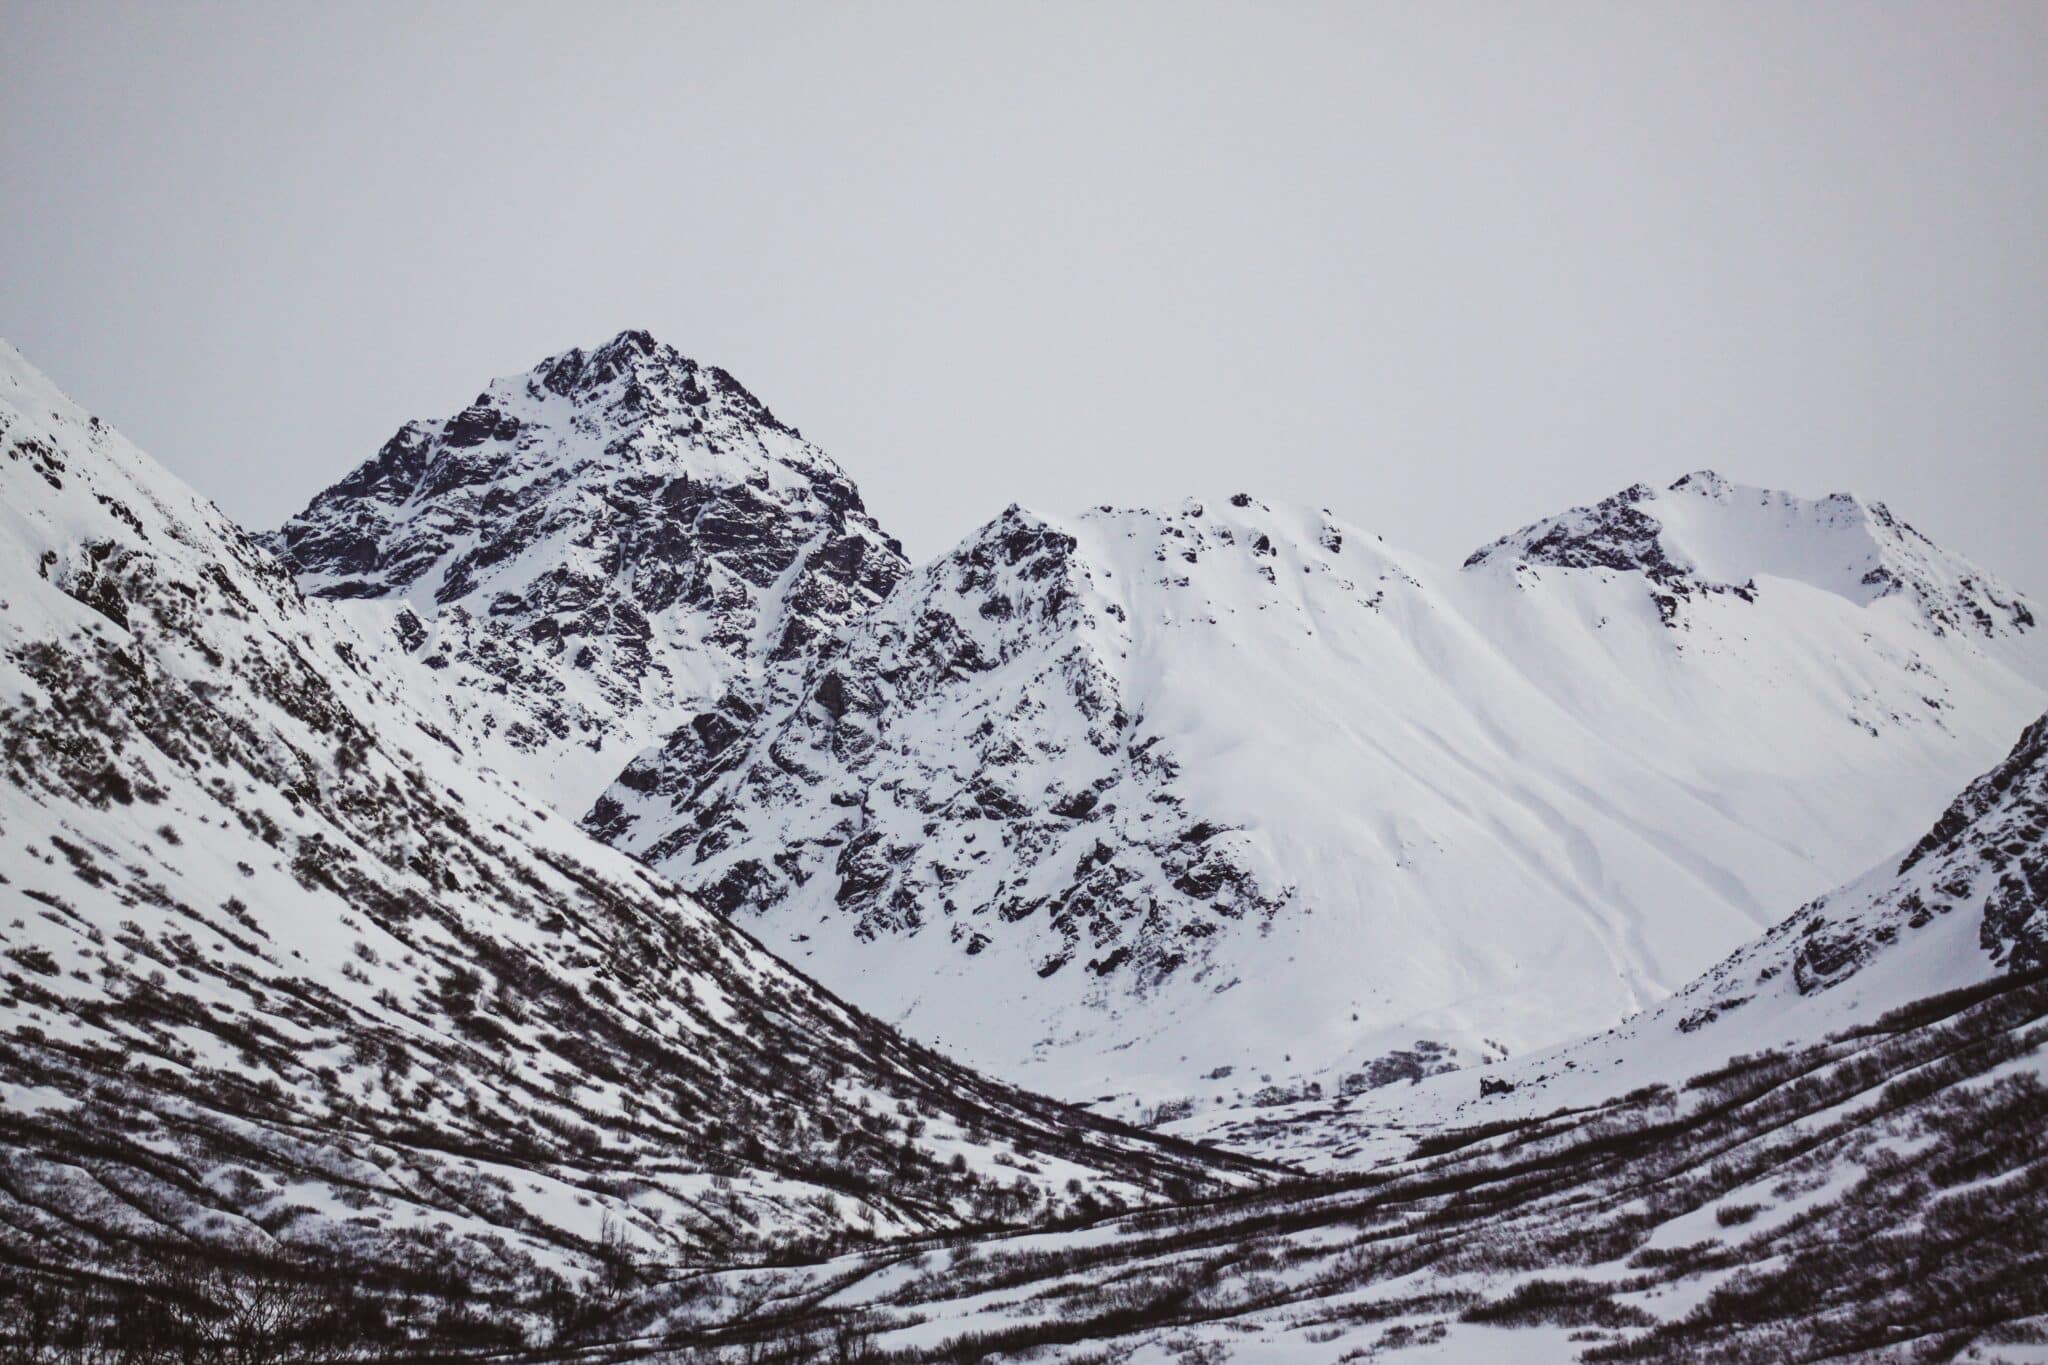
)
(634, 368)
(612, 539)
(634, 416)
(1707, 534)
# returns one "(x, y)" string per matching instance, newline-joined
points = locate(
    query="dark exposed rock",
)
(914, 826)
(1413, 1064)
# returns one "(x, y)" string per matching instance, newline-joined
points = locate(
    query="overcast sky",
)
(1441, 269)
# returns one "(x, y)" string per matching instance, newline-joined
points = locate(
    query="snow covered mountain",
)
(1238, 798)
(307, 1017)
(1968, 901)
(1829, 1147)
(1963, 906)
(1706, 535)
(591, 551)
(282, 977)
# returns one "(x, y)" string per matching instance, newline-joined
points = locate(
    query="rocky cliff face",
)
(1235, 797)
(1017, 720)
(283, 976)
(590, 550)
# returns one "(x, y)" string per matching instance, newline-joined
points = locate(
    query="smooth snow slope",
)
(1148, 804)
(280, 972)
(1964, 904)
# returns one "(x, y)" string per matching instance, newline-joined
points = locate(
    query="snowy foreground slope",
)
(280, 977)
(589, 551)
(1232, 801)
(1873, 1184)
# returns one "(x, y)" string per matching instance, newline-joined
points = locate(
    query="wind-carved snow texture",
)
(280, 974)
(1236, 803)
(591, 550)
(1978, 878)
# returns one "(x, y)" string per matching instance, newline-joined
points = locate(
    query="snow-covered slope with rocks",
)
(280, 975)
(1232, 798)
(588, 553)
(1874, 1196)
(1829, 1147)
(1963, 905)
(1706, 535)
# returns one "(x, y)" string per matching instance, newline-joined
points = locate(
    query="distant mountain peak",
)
(1706, 533)
(1105, 797)
(634, 368)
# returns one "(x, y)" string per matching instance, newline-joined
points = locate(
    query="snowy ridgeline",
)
(281, 975)
(1231, 804)
(1212, 806)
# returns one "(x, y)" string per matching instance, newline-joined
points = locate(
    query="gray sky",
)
(1443, 269)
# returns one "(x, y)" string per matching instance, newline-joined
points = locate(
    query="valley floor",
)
(1883, 1194)
(1880, 1195)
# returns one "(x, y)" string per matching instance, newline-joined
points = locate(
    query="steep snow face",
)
(1217, 801)
(278, 970)
(1966, 903)
(588, 550)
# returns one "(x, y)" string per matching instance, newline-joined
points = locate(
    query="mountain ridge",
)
(1104, 726)
(1865, 553)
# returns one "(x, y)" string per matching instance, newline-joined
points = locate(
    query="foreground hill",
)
(590, 550)
(1879, 1196)
(284, 983)
(1237, 802)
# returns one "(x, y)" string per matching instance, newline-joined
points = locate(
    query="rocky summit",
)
(590, 550)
